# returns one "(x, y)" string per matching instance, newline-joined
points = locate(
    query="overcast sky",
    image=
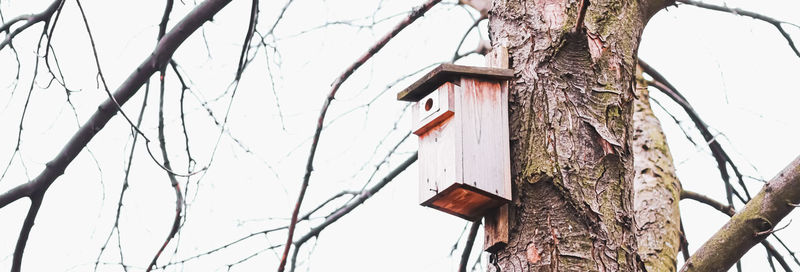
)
(739, 74)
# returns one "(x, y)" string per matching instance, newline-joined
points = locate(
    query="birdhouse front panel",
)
(437, 141)
(461, 117)
(433, 109)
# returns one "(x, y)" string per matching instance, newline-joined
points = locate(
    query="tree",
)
(595, 186)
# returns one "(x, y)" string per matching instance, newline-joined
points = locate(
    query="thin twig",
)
(786, 247)
(118, 104)
(179, 202)
(30, 20)
(350, 206)
(473, 231)
(684, 244)
(418, 12)
(36, 188)
(125, 185)
(721, 157)
(463, 38)
(209, 252)
(737, 11)
(728, 210)
(35, 197)
(460, 235)
(280, 16)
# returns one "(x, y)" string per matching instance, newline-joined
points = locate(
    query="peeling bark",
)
(570, 109)
(656, 188)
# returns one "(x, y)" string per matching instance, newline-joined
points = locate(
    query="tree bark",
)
(570, 113)
(656, 187)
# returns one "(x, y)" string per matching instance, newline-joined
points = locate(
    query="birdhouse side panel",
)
(484, 128)
(437, 159)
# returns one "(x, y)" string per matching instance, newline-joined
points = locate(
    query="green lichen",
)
(622, 257)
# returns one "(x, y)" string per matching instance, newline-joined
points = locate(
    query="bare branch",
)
(160, 57)
(786, 247)
(737, 11)
(30, 20)
(118, 104)
(684, 244)
(481, 6)
(728, 210)
(455, 245)
(717, 151)
(179, 200)
(280, 16)
(350, 206)
(762, 213)
(27, 225)
(324, 203)
(251, 28)
(473, 231)
(474, 25)
(17, 151)
(773, 253)
(418, 12)
(125, 185)
(209, 252)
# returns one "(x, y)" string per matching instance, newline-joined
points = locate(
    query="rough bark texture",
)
(656, 188)
(571, 118)
(752, 224)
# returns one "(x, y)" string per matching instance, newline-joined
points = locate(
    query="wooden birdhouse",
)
(461, 117)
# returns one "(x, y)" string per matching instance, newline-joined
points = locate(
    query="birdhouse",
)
(460, 114)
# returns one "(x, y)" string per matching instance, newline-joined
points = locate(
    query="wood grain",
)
(495, 223)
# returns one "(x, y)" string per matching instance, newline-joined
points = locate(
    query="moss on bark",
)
(571, 122)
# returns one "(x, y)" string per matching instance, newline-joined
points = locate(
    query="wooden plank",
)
(448, 72)
(484, 137)
(496, 227)
(436, 161)
(464, 201)
(437, 145)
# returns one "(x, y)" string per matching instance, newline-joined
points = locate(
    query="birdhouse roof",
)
(450, 72)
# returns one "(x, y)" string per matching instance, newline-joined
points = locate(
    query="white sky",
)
(739, 74)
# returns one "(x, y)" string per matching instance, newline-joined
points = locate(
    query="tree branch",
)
(685, 194)
(413, 16)
(27, 226)
(773, 253)
(37, 187)
(473, 231)
(751, 225)
(720, 156)
(737, 11)
(163, 145)
(350, 206)
(30, 20)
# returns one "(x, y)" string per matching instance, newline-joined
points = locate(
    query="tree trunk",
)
(570, 113)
